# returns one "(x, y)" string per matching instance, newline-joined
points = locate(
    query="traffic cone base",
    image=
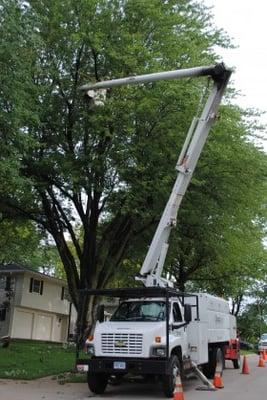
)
(217, 381)
(245, 369)
(261, 362)
(178, 393)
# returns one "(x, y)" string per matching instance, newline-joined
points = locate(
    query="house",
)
(33, 305)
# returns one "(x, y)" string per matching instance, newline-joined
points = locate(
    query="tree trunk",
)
(81, 323)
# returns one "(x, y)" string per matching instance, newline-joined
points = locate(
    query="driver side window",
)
(176, 313)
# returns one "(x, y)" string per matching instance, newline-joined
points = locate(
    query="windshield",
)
(264, 336)
(140, 311)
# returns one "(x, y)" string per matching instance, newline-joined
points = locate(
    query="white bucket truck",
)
(157, 330)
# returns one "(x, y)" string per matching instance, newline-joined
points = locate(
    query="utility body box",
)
(213, 325)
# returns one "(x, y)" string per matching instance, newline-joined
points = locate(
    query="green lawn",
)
(25, 359)
(31, 359)
(247, 352)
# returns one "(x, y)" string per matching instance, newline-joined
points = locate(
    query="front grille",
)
(264, 343)
(121, 343)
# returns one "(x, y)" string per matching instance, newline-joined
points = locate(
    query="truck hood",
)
(130, 327)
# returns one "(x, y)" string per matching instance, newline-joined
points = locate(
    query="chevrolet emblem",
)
(120, 343)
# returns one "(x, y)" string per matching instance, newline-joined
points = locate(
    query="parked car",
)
(246, 345)
(262, 345)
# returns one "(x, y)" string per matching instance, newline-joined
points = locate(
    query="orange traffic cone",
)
(217, 380)
(261, 361)
(265, 355)
(245, 369)
(178, 393)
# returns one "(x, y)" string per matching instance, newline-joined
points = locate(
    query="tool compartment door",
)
(197, 333)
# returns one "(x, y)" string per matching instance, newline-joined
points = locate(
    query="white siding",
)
(33, 315)
(49, 301)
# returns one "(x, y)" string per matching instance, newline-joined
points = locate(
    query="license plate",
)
(119, 365)
(82, 368)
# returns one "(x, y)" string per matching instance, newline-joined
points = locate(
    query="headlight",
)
(90, 350)
(158, 351)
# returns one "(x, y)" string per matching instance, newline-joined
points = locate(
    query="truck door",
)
(178, 331)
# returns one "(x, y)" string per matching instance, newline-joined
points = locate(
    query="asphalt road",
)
(236, 387)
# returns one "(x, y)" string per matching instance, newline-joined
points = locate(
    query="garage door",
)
(43, 327)
(22, 325)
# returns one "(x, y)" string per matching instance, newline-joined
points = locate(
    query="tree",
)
(21, 242)
(104, 172)
(253, 320)
(222, 228)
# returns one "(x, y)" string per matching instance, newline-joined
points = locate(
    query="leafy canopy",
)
(96, 179)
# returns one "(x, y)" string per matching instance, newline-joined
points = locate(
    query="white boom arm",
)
(153, 264)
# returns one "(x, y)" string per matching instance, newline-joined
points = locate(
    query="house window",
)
(2, 282)
(2, 314)
(64, 293)
(6, 283)
(36, 286)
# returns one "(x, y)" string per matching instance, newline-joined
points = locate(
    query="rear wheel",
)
(216, 357)
(97, 382)
(169, 381)
(237, 362)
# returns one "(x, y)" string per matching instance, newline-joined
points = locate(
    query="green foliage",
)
(222, 221)
(21, 242)
(97, 178)
(32, 359)
(251, 322)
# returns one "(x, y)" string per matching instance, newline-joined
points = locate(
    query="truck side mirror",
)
(187, 313)
(100, 313)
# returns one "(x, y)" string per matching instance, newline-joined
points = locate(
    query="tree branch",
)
(15, 210)
(95, 63)
(63, 249)
(67, 223)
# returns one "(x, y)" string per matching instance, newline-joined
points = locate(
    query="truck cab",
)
(146, 335)
(138, 328)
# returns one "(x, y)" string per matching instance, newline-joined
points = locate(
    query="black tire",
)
(168, 381)
(237, 362)
(216, 355)
(97, 382)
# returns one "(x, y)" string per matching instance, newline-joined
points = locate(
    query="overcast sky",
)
(246, 23)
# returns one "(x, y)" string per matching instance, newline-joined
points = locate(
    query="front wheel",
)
(97, 382)
(169, 381)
